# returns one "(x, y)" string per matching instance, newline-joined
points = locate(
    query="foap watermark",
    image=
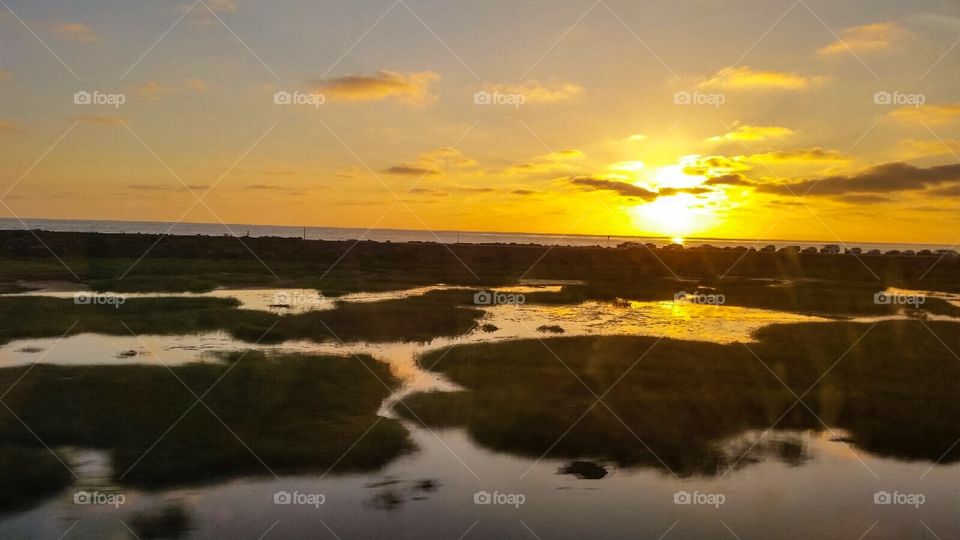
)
(98, 98)
(494, 298)
(292, 299)
(507, 499)
(98, 299)
(696, 97)
(915, 500)
(704, 299)
(887, 298)
(297, 498)
(100, 498)
(499, 98)
(898, 98)
(282, 97)
(698, 498)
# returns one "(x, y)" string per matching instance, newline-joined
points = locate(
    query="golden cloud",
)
(867, 38)
(433, 163)
(409, 87)
(78, 33)
(909, 149)
(537, 92)
(745, 78)
(7, 126)
(753, 133)
(803, 155)
(155, 90)
(552, 163)
(928, 114)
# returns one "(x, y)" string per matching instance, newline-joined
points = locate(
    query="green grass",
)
(439, 313)
(295, 413)
(28, 475)
(895, 391)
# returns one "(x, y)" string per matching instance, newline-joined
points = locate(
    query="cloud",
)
(434, 162)
(536, 92)
(412, 170)
(733, 179)
(155, 90)
(867, 38)
(78, 33)
(802, 155)
(167, 187)
(885, 178)
(563, 155)
(627, 166)
(7, 126)
(409, 87)
(5, 75)
(753, 133)
(98, 120)
(621, 188)
(204, 15)
(552, 163)
(745, 78)
(928, 114)
(196, 85)
(952, 190)
(715, 165)
(916, 149)
(626, 189)
(525, 192)
(863, 199)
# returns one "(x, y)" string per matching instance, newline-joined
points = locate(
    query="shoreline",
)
(395, 235)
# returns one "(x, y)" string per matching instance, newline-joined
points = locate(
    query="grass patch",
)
(295, 413)
(439, 313)
(895, 392)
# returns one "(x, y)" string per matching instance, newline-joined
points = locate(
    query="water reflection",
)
(700, 411)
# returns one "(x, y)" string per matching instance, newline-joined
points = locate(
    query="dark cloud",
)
(947, 191)
(728, 180)
(411, 170)
(168, 187)
(863, 199)
(525, 192)
(885, 178)
(630, 190)
(621, 188)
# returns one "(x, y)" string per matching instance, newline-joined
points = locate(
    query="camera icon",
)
(482, 497)
(882, 298)
(282, 97)
(81, 497)
(682, 497)
(82, 299)
(882, 98)
(282, 497)
(680, 296)
(483, 298)
(82, 98)
(682, 98)
(882, 497)
(483, 98)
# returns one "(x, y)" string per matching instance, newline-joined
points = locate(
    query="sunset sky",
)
(740, 119)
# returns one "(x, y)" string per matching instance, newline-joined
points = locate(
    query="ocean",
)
(409, 235)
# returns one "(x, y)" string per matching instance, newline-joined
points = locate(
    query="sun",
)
(670, 216)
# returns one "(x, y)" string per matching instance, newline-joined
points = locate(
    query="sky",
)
(766, 119)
